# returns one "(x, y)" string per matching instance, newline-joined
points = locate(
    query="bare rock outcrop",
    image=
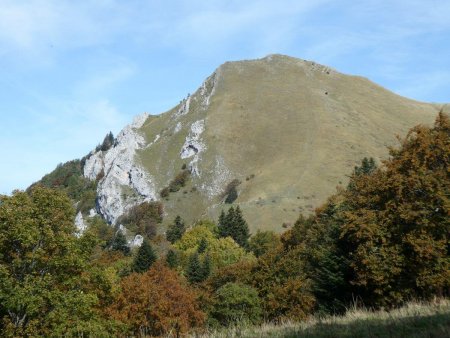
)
(125, 183)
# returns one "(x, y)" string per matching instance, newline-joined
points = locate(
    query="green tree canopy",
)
(145, 257)
(235, 302)
(234, 225)
(42, 267)
(119, 243)
(263, 241)
(175, 230)
(222, 251)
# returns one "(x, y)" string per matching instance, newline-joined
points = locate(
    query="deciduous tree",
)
(157, 302)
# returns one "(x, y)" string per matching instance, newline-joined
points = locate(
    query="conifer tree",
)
(176, 230)
(172, 259)
(119, 243)
(194, 272)
(222, 223)
(367, 167)
(234, 225)
(240, 228)
(202, 246)
(226, 223)
(206, 267)
(145, 257)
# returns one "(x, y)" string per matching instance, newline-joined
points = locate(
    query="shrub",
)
(230, 193)
(143, 218)
(235, 302)
(176, 230)
(176, 184)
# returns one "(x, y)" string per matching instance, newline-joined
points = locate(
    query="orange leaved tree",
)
(398, 220)
(157, 302)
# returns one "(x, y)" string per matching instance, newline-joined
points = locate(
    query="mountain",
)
(279, 131)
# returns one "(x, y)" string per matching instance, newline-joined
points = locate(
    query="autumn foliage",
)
(396, 220)
(382, 240)
(156, 303)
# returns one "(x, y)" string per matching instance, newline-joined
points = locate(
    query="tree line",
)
(382, 240)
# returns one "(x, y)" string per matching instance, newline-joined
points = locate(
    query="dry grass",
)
(416, 319)
(298, 127)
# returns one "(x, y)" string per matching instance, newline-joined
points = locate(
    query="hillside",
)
(288, 130)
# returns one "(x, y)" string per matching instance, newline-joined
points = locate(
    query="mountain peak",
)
(281, 131)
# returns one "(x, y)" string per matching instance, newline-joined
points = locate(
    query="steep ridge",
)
(288, 130)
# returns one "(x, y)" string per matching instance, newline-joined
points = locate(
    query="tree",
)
(324, 257)
(69, 178)
(120, 243)
(367, 167)
(143, 218)
(194, 271)
(206, 267)
(156, 303)
(176, 230)
(263, 241)
(172, 259)
(222, 251)
(397, 220)
(230, 192)
(43, 269)
(237, 302)
(108, 142)
(202, 246)
(234, 225)
(145, 257)
(282, 285)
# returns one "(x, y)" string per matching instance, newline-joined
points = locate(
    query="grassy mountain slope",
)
(289, 130)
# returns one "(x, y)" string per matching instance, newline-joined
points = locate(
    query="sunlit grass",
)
(416, 319)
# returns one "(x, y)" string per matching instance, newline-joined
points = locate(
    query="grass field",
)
(417, 320)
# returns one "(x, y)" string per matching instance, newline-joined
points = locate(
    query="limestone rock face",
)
(80, 224)
(136, 242)
(124, 183)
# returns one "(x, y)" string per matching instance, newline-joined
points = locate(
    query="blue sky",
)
(71, 71)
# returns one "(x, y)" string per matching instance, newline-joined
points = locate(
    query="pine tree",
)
(240, 228)
(206, 267)
(202, 246)
(234, 225)
(145, 257)
(176, 230)
(367, 167)
(226, 223)
(119, 243)
(194, 272)
(222, 224)
(172, 259)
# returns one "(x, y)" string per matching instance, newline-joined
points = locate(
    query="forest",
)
(382, 240)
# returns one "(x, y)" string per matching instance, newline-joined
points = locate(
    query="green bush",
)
(236, 302)
(143, 218)
(263, 241)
